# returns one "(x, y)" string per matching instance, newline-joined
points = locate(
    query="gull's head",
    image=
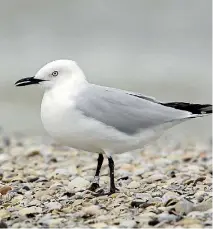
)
(58, 71)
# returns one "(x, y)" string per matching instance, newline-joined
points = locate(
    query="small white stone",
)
(139, 171)
(64, 172)
(79, 195)
(35, 202)
(4, 214)
(91, 210)
(133, 184)
(53, 205)
(201, 194)
(166, 217)
(204, 206)
(157, 177)
(162, 162)
(99, 225)
(195, 214)
(3, 157)
(168, 196)
(127, 224)
(67, 172)
(143, 196)
(125, 158)
(30, 210)
(156, 199)
(78, 182)
(145, 217)
(46, 197)
(55, 186)
(54, 222)
(184, 206)
(77, 202)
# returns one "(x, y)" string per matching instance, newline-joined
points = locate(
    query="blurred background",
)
(159, 48)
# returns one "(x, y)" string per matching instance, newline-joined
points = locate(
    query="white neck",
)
(69, 85)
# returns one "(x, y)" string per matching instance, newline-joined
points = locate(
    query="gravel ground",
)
(45, 186)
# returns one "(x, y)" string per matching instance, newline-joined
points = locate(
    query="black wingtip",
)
(193, 108)
(207, 109)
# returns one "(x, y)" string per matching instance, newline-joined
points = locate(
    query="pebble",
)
(56, 186)
(3, 224)
(67, 172)
(183, 207)
(144, 218)
(156, 177)
(139, 171)
(39, 194)
(34, 203)
(5, 189)
(4, 214)
(45, 198)
(167, 217)
(99, 225)
(200, 193)
(195, 214)
(55, 222)
(3, 158)
(133, 184)
(32, 151)
(32, 179)
(157, 194)
(204, 206)
(53, 205)
(155, 189)
(79, 195)
(139, 203)
(78, 182)
(30, 210)
(128, 223)
(156, 200)
(188, 222)
(17, 199)
(91, 210)
(169, 196)
(77, 202)
(144, 197)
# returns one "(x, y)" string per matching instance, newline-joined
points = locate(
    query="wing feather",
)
(126, 111)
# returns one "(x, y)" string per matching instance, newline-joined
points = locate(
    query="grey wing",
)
(124, 110)
(136, 94)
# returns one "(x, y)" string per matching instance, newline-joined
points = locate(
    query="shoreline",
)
(44, 185)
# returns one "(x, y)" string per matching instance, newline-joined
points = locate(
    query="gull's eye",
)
(55, 73)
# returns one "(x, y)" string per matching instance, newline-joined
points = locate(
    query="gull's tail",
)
(195, 109)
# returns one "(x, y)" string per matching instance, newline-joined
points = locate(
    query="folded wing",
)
(125, 111)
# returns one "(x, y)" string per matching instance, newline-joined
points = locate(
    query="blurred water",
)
(160, 48)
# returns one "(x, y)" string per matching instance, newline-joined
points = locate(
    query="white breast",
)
(68, 126)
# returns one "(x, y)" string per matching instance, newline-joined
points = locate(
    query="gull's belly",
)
(74, 130)
(71, 128)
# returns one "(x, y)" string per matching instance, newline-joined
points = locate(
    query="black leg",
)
(95, 183)
(111, 173)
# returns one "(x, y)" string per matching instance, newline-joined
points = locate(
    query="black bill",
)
(28, 81)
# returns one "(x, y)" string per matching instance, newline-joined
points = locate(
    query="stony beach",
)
(165, 185)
